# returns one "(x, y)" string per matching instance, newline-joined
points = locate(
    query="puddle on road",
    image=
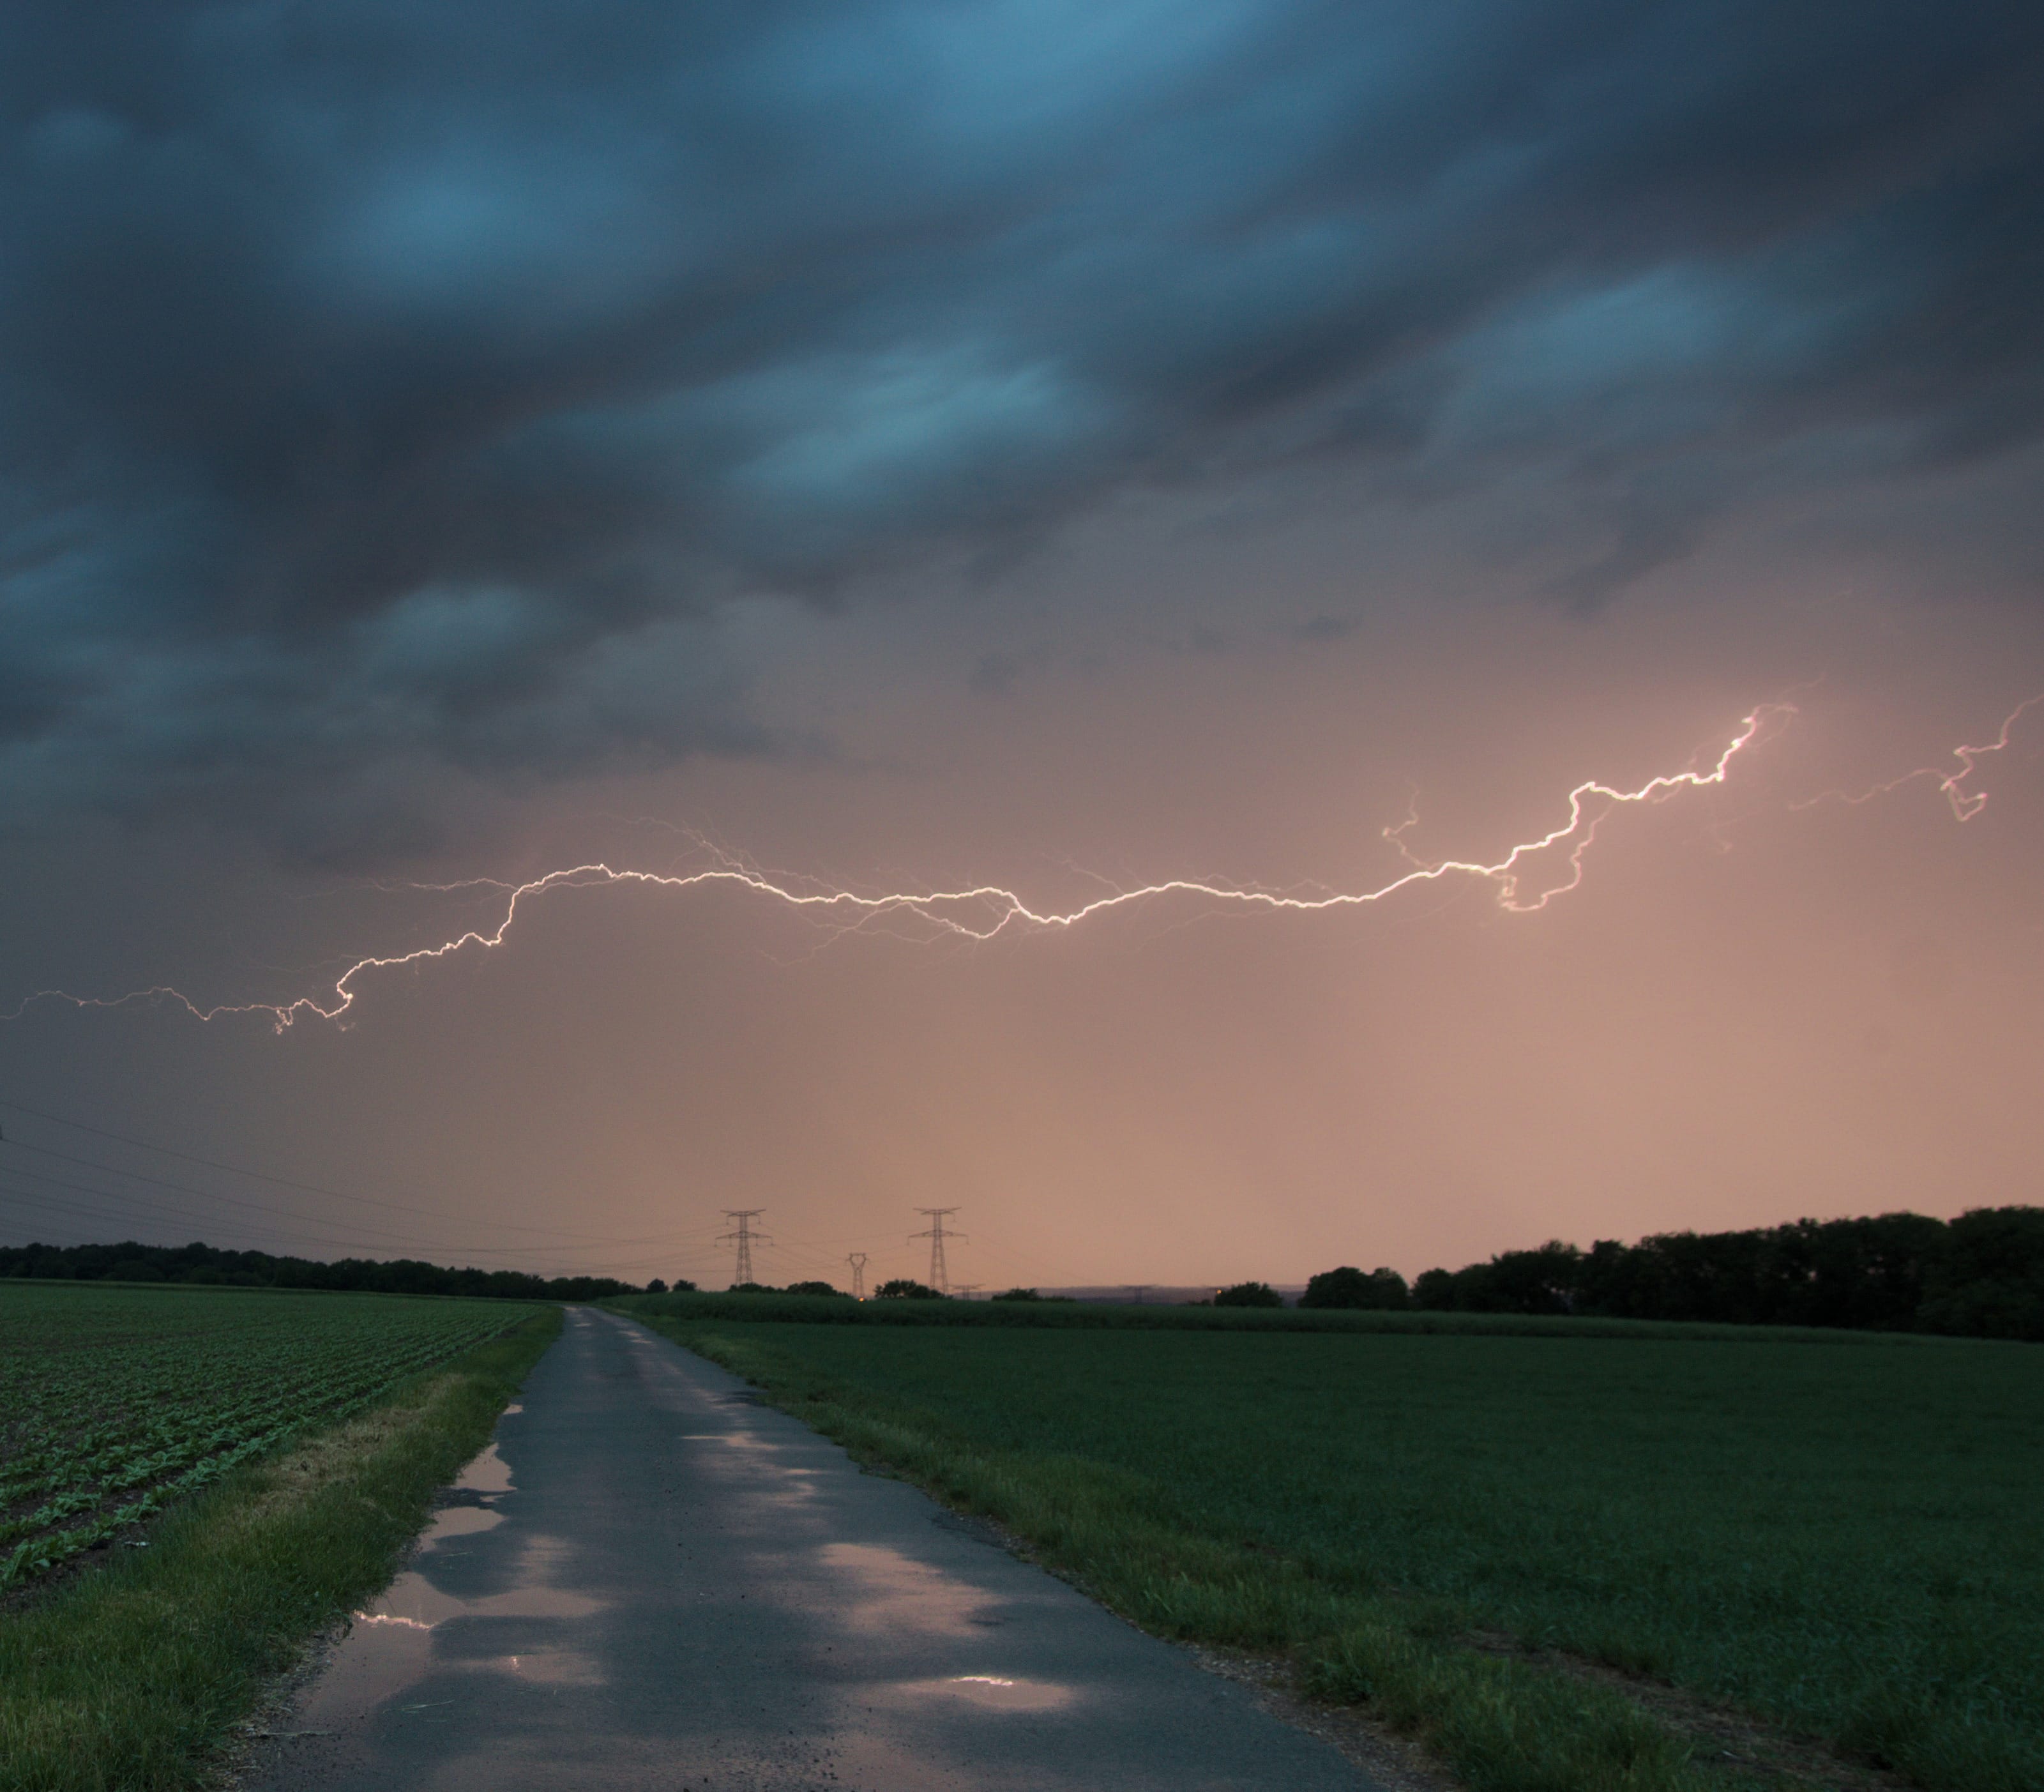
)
(459, 1521)
(389, 1646)
(488, 1474)
(757, 1465)
(985, 1692)
(893, 1591)
(549, 1667)
(413, 1601)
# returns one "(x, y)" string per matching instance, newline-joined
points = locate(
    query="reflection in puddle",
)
(415, 1603)
(990, 1692)
(896, 1592)
(548, 1667)
(489, 1474)
(749, 1457)
(459, 1521)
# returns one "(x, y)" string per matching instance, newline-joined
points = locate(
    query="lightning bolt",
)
(1965, 804)
(984, 912)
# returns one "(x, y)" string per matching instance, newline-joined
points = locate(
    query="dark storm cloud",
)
(396, 386)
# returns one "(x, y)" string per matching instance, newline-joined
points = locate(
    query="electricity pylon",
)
(939, 1278)
(857, 1260)
(744, 1238)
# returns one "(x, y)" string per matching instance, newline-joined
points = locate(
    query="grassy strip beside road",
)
(1844, 1540)
(134, 1676)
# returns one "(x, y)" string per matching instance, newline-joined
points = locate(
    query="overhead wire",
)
(127, 1209)
(257, 1175)
(363, 1234)
(812, 1260)
(154, 1207)
(368, 1234)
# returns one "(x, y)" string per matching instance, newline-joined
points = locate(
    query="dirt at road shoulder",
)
(1395, 1762)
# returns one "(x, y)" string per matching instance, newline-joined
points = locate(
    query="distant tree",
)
(1434, 1290)
(1249, 1294)
(749, 1288)
(1382, 1288)
(1611, 1275)
(1020, 1294)
(1542, 1281)
(1896, 1258)
(130, 1261)
(656, 1286)
(811, 1288)
(682, 1286)
(902, 1289)
(1991, 1282)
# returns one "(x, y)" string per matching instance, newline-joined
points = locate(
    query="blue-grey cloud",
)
(388, 385)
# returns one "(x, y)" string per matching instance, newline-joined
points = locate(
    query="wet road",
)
(651, 1580)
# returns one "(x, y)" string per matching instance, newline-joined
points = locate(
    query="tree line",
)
(1980, 1275)
(205, 1265)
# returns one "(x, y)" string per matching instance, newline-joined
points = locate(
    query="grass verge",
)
(1840, 1543)
(131, 1678)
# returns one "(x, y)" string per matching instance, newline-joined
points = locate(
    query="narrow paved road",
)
(651, 1580)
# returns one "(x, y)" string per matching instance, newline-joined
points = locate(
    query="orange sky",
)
(1747, 1013)
(927, 446)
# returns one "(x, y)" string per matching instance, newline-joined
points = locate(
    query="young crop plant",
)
(115, 1401)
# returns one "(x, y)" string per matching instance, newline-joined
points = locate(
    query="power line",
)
(1061, 1274)
(936, 1216)
(123, 1209)
(155, 1207)
(369, 1235)
(257, 1175)
(294, 1227)
(744, 1238)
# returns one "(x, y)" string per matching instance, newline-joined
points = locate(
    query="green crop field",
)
(115, 1401)
(1843, 1539)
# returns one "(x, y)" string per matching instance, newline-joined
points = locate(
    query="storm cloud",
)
(391, 386)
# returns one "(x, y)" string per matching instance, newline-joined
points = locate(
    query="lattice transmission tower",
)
(744, 1238)
(940, 1276)
(857, 1260)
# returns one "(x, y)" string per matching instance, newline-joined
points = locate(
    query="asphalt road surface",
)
(651, 1580)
